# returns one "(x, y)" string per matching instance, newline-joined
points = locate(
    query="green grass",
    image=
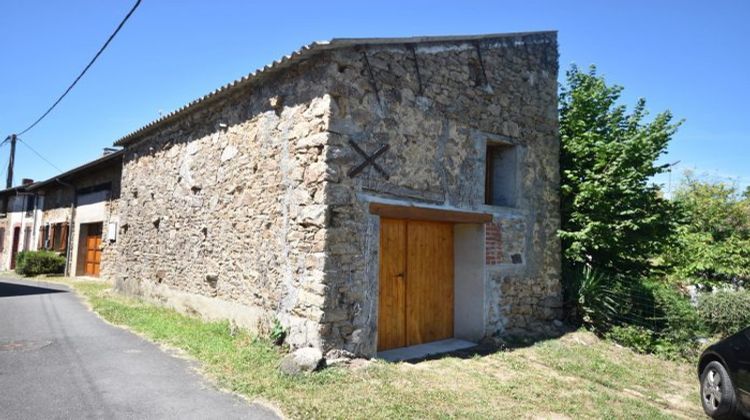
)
(576, 376)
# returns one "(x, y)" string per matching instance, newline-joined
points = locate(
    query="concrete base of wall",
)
(208, 308)
(300, 332)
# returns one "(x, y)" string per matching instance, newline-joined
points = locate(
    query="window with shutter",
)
(64, 238)
(53, 234)
(27, 238)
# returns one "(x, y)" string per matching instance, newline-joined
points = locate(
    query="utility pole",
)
(11, 161)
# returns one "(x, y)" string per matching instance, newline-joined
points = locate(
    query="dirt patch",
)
(550, 416)
(582, 338)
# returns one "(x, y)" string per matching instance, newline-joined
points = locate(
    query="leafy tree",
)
(613, 217)
(714, 243)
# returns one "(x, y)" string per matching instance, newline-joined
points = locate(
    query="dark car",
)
(724, 371)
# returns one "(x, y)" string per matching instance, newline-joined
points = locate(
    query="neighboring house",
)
(367, 193)
(18, 221)
(74, 214)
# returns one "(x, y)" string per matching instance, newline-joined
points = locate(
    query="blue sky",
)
(691, 57)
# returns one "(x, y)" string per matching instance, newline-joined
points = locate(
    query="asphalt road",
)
(59, 360)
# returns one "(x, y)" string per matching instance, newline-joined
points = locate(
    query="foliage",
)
(647, 316)
(618, 230)
(672, 318)
(675, 322)
(32, 263)
(713, 245)
(725, 312)
(637, 338)
(278, 333)
(591, 299)
(613, 218)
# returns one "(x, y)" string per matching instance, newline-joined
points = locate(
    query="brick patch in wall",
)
(493, 244)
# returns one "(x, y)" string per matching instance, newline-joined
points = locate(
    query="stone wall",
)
(437, 106)
(223, 210)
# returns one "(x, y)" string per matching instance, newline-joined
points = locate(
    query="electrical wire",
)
(111, 37)
(38, 154)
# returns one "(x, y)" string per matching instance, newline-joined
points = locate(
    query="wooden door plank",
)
(392, 299)
(429, 285)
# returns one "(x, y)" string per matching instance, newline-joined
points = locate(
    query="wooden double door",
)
(416, 282)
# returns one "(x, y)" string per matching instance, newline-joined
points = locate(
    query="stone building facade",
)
(266, 199)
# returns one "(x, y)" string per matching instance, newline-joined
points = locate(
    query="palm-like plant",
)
(594, 302)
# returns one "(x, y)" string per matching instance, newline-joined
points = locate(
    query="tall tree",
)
(613, 217)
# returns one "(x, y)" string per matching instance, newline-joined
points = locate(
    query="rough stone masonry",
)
(240, 205)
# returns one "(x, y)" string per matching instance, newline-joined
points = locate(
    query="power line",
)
(39, 154)
(137, 3)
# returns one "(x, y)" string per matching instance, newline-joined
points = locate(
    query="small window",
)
(27, 238)
(29, 205)
(501, 175)
(59, 239)
(44, 235)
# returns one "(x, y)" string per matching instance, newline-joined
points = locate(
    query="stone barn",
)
(366, 194)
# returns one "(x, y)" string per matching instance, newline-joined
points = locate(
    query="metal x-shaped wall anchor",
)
(369, 160)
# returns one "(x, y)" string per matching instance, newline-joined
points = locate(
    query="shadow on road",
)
(13, 289)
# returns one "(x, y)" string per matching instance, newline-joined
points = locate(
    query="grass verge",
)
(577, 376)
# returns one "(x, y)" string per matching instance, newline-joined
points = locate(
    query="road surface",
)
(60, 360)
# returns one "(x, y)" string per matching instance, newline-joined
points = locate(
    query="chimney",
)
(27, 181)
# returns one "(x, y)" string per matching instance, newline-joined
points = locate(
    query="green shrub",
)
(648, 316)
(637, 338)
(725, 312)
(589, 294)
(681, 324)
(278, 333)
(32, 263)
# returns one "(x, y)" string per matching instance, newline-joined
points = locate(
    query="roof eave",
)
(68, 174)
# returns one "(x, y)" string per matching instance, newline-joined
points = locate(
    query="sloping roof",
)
(94, 164)
(303, 53)
(15, 189)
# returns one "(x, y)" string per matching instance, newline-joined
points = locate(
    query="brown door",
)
(14, 250)
(93, 250)
(416, 283)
